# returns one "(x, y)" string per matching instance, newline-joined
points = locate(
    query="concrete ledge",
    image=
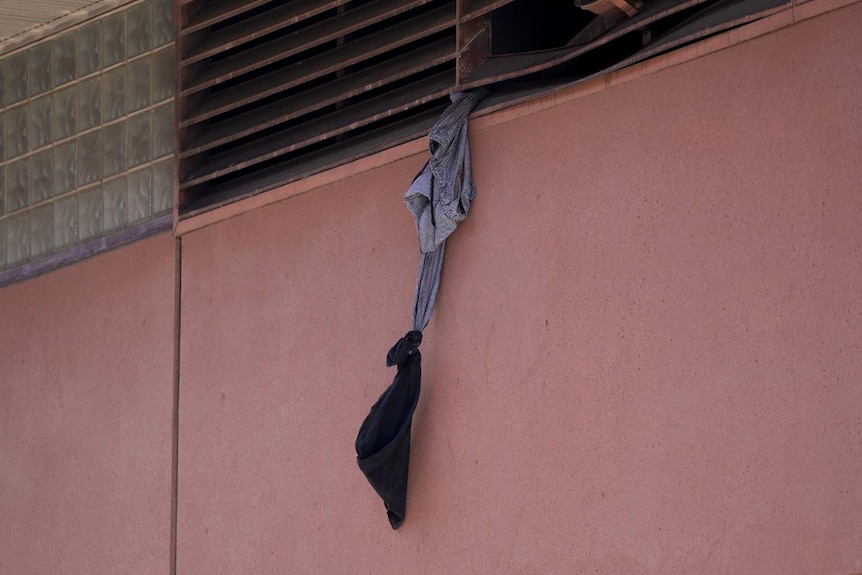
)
(85, 250)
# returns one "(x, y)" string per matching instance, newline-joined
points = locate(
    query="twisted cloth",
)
(440, 197)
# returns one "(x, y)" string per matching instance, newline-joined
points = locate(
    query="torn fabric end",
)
(383, 443)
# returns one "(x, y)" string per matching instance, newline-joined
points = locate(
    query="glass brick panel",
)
(138, 129)
(104, 90)
(114, 94)
(16, 185)
(18, 238)
(115, 204)
(41, 230)
(139, 201)
(65, 222)
(163, 186)
(17, 77)
(64, 59)
(138, 32)
(40, 68)
(90, 210)
(163, 22)
(64, 112)
(114, 148)
(65, 167)
(40, 122)
(89, 48)
(138, 94)
(16, 131)
(89, 157)
(163, 130)
(41, 175)
(114, 39)
(163, 74)
(89, 104)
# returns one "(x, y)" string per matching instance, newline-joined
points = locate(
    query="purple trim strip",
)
(88, 249)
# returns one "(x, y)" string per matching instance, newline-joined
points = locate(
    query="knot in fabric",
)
(404, 348)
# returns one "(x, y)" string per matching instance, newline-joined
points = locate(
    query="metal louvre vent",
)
(273, 91)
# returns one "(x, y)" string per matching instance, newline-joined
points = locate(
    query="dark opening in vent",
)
(527, 25)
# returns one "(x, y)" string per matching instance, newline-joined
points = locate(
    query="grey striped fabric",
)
(440, 197)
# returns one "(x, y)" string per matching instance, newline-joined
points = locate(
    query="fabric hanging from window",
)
(439, 198)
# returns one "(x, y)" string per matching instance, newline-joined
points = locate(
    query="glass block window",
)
(87, 132)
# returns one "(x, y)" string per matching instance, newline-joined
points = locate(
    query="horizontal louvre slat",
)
(319, 129)
(293, 169)
(215, 11)
(299, 41)
(260, 25)
(712, 20)
(721, 16)
(322, 64)
(324, 95)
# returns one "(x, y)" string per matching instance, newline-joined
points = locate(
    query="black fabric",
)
(383, 443)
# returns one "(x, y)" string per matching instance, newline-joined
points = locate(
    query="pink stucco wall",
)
(86, 396)
(645, 357)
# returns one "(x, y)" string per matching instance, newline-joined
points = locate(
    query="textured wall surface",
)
(86, 396)
(645, 357)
